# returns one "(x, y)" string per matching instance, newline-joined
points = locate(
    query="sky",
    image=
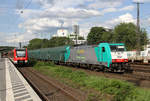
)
(23, 20)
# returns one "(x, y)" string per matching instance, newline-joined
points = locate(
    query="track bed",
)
(50, 89)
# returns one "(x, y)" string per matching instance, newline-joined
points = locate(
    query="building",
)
(61, 33)
(77, 40)
(65, 33)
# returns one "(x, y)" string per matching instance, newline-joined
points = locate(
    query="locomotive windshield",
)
(115, 48)
(20, 53)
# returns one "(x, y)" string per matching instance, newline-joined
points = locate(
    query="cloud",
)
(60, 3)
(94, 4)
(126, 18)
(108, 10)
(105, 3)
(40, 25)
(145, 22)
(141, 0)
(149, 20)
(127, 8)
(51, 19)
(14, 38)
(56, 13)
(60, 13)
(2, 41)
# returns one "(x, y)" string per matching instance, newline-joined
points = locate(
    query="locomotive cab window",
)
(20, 53)
(103, 49)
(117, 48)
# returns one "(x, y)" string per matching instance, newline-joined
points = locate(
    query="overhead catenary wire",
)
(20, 5)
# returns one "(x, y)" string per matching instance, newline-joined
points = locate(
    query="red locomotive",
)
(19, 56)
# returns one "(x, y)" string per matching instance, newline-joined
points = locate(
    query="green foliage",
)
(59, 41)
(6, 48)
(80, 38)
(121, 90)
(93, 97)
(34, 43)
(144, 37)
(45, 43)
(122, 33)
(127, 33)
(99, 34)
(40, 63)
(32, 62)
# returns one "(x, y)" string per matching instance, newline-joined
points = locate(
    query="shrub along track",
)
(140, 75)
(50, 89)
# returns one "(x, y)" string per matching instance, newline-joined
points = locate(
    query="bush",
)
(121, 90)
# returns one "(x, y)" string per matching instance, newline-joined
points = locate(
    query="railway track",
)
(139, 76)
(139, 63)
(140, 72)
(141, 68)
(47, 90)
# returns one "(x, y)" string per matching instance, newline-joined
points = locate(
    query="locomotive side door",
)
(103, 56)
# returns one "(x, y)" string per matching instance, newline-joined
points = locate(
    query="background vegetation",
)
(53, 42)
(122, 33)
(6, 48)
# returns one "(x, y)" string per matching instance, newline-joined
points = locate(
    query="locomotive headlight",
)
(125, 60)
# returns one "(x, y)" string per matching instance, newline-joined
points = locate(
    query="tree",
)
(45, 43)
(144, 39)
(107, 36)
(35, 44)
(127, 33)
(99, 34)
(80, 38)
(59, 41)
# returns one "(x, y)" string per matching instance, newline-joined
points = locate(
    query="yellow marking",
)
(80, 51)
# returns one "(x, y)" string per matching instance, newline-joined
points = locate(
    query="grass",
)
(119, 90)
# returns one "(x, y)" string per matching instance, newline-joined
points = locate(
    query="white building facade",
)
(65, 33)
(61, 33)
